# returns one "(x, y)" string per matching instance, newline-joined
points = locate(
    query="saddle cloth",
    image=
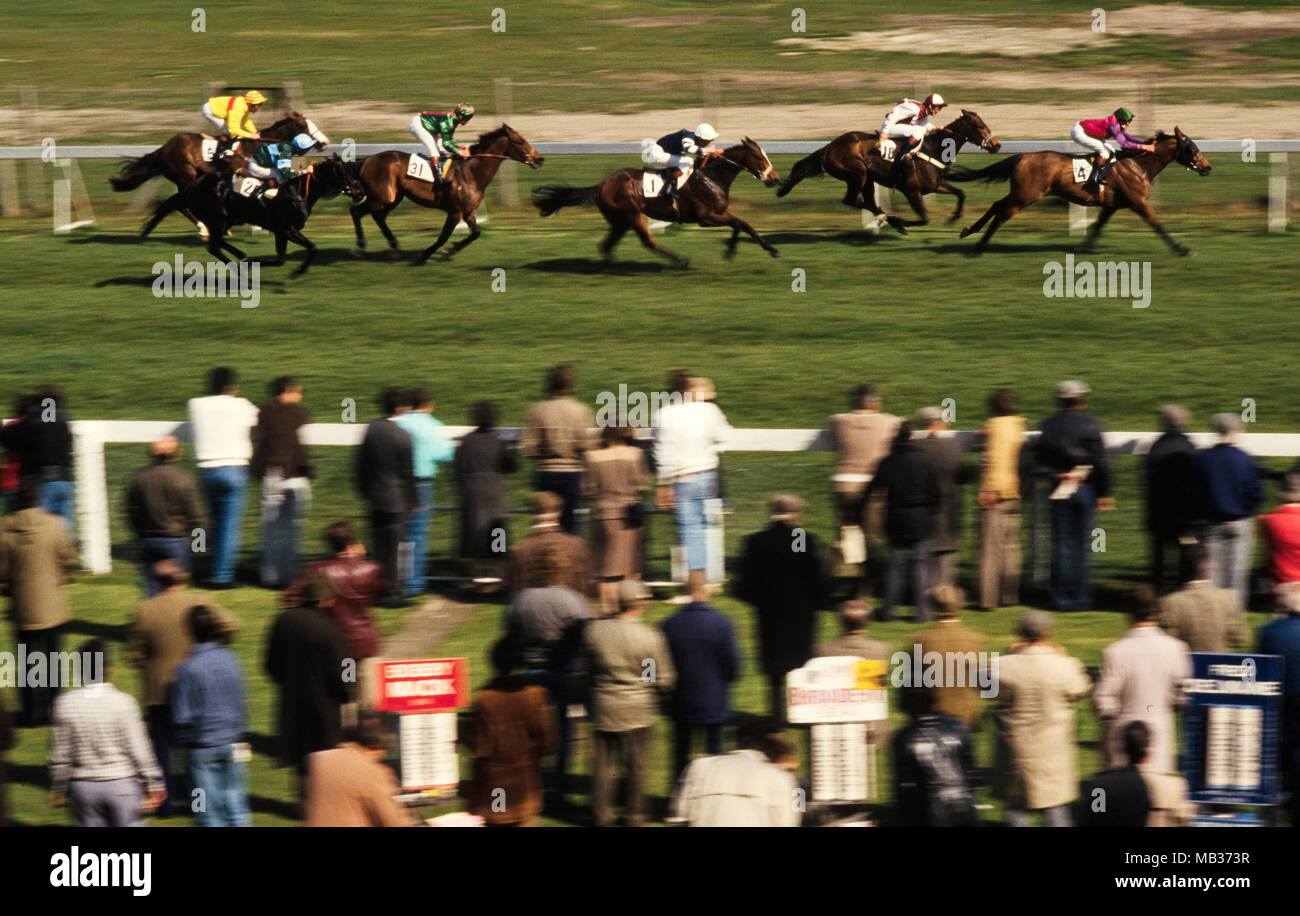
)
(208, 148)
(888, 148)
(245, 185)
(420, 169)
(1082, 169)
(652, 181)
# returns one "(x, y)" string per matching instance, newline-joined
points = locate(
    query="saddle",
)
(421, 169)
(654, 181)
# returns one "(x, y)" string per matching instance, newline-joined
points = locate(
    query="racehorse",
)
(384, 178)
(214, 200)
(1035, 175)
(704, 199)
(854, 158)
(180, 159)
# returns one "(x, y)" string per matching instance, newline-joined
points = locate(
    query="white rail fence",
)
(71, 200)
(95, 519)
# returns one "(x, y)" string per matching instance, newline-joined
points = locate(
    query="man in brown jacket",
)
(158, 641)
(862, 438)
(510, 732)
(547, 507)
(35, 558)
(1206, 617)
(349, 785)
(557, 433)
(162, 504)
(966, 647)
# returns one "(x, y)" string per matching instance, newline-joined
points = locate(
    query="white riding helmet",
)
(706, 133)
(934, 100)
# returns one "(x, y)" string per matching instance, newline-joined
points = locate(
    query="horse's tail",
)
(998, 171)
(552, 197)
(807, 167)
(169, 205)
(135, 172)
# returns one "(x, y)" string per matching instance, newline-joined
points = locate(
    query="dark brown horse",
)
(1036, 175)
(854, 158)
(384, 178)
(704, 199)
(180, 159)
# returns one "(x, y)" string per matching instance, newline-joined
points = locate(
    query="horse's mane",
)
(489, 136)
(1161, 135)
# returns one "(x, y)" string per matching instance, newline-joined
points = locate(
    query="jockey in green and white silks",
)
(436, 132)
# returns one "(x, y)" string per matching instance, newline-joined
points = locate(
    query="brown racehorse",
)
(854, 158)
(704, 199)
(1035, 175)
(180, 159)
(385, 181)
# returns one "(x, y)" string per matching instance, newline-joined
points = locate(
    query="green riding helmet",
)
(1124, 115)
(464, 111)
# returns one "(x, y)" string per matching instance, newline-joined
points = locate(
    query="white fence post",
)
(92, 497)
(1079, 219)
(1277, 204)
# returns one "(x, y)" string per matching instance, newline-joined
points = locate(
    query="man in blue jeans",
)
(210, 719)
(221, 424)
(430, 445)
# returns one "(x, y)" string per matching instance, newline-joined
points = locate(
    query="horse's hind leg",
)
(979, 223)
(1095, 230)
(1005, 210)
(612, 238)
(381, 220)
(295, 235)
(447, 228)
(944, 187)
(643, 233)
(474, 232)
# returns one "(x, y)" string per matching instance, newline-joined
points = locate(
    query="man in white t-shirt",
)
(220, 426)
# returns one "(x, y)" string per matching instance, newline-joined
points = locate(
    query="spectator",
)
(934, 767)
(99, 753)
(1281, 529)
(510, 732)
(43, 442)
(281, 461)
(999, 500)
(965, 647)
(305, 657)
(6, 742)
(1233, 489)
(781, 575)
(479, 466)
(35, 558)
(1071, 453)
(616, 480)
(740, 789)
(1282, 637)
(557, 434)
(862, 437)
(946, 452)
(211, 719)
(692, 432)
(547, 507)
(631, 667)
(11, 472)
(1207, 618)
(703, 647)
(159, 639)
(386, 481)
(162, 504)
(1036, 768)
(1142, 676)
(357, 584)
(909, 479)
(854, 615)
(1119, 797)
(349, 785)
(545, 622)
(1167, 791)
(220, 424)
(1175, 490)
(430, 446)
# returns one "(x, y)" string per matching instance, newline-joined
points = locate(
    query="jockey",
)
(907, 125)
(436, 132)
(273, 161)
(1102, 136)
(229, 113)
(677, 152)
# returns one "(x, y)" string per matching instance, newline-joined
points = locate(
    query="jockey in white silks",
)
(907, 126)
(676, 152)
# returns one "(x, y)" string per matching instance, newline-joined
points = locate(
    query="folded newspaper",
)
(1070, 482)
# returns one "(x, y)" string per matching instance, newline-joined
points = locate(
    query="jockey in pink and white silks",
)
(1103, 136)
(907, 125)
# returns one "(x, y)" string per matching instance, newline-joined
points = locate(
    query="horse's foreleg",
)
(1143, 209)
(946, 188)
(1095, 230)
(738, 226)
(358, 211)
(381, 220)
(447, 228)
(917, 202)
(474, 232)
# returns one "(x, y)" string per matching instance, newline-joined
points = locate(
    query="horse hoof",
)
(729, 254)
(683, 263)
(1183, 252)
(964, 233)
(774, 253)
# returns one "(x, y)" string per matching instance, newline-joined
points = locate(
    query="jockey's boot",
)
(223, 144)
(670, 185)
(1099, 172)
(896, 173)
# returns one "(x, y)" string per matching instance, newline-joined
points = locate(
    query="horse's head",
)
(337, 177)
(976, 131)
(1187, 154)
(508, 142)
(750, 157)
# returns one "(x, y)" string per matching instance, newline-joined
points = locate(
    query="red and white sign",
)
(423, 685)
